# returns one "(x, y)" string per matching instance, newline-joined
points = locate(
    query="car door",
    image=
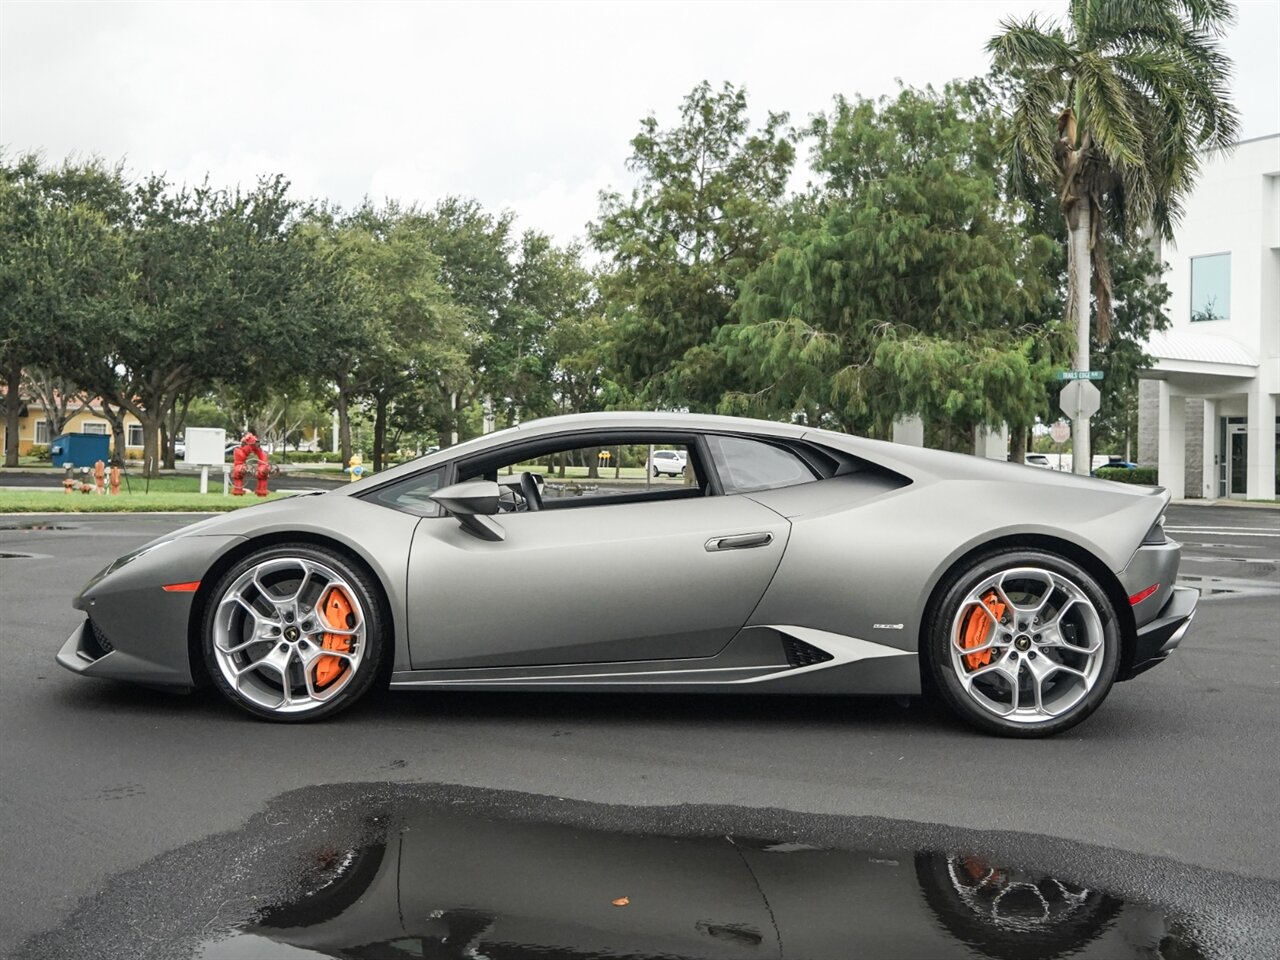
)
(654, 580)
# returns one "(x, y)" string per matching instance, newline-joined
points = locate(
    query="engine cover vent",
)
(801, 654)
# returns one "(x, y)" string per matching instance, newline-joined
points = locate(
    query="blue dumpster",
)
(79, 449)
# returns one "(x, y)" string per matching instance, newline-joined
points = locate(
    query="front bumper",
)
(135, 630)
(1156, 638)
(85, 655)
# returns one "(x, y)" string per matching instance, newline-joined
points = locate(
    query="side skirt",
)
(760, 659)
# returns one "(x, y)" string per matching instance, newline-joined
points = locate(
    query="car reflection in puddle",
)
(444, 885)
(388, 871)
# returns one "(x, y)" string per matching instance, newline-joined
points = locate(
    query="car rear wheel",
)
(294, 633)
(1024, 643)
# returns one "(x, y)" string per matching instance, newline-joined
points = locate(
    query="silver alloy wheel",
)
(269, 631)
(1041, 650)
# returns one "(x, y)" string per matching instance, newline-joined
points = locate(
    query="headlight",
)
(133, 555)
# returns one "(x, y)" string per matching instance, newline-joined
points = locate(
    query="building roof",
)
(1198, 347)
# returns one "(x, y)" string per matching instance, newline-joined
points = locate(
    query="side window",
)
(412, 494)
(747, 465)
(637, 470)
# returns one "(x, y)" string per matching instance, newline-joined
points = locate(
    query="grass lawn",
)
(158, 500)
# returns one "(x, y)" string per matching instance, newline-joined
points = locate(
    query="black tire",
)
(376, 655)
(940, 665)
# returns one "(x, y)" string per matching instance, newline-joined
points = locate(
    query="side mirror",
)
(473, 503)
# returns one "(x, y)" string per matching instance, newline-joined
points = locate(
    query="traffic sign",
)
(1079, 374)
(1079, 399)
(1060, 431)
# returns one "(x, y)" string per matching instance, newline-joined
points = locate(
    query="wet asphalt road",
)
(108, 788)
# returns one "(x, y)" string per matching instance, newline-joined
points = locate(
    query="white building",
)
(1208, 408)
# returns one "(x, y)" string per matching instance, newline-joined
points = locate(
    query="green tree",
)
(187, 289)
(903, 284)
(551, 290)
(55, 247)
(476, 252)
(28, 297)
(695, 226)
(1113, 107)
(390, 329)
(416, 328)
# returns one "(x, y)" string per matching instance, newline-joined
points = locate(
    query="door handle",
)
(743, 541)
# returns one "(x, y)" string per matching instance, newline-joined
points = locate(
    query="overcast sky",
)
(527, 106)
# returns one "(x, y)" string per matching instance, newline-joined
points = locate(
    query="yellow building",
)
(33, 428)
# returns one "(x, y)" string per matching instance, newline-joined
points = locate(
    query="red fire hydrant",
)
(249, 446)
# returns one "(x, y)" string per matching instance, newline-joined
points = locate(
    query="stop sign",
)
(1060, 431)
(1080, 399)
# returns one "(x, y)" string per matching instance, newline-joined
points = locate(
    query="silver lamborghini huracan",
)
(548, 556)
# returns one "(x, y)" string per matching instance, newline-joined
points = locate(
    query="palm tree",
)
(1115, 106)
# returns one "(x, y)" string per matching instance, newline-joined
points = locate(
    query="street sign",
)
(1079, 374)
(1079, 399)
(1060, 431)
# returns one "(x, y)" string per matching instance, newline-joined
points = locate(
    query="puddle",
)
(399, 871)
(1214, 587)
(449, 886)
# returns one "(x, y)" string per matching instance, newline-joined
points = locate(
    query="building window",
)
(1211, 287)
(135, 435)
(42, 432)
(94, 426)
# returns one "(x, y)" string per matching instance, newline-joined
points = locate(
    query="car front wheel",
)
(294, 633)
(1024, 643)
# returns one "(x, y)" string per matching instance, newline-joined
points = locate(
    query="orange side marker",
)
(190, 586)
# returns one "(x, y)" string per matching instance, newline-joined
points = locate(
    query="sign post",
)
(1060, 432)
(1080, 459)
(1080, 400)
(206, 446)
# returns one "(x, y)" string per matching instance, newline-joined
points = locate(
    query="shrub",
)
(39, 451)
(1146, 475)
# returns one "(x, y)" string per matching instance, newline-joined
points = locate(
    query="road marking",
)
(1222, 526)
(1222, 533)
(1188, 557)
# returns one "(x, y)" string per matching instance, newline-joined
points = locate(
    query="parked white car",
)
(1038, 460)
(668, 463)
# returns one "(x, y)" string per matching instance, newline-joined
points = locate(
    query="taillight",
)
(1141, 595)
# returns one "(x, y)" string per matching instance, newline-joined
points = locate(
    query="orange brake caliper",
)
(335, 608)
(975, 630)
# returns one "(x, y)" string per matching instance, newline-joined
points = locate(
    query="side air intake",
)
(97, 639)
(801, 654)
